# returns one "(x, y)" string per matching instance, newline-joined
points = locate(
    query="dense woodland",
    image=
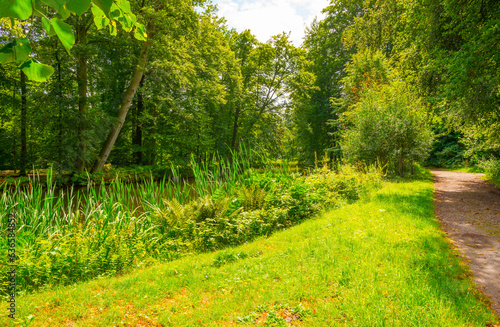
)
(374, 81)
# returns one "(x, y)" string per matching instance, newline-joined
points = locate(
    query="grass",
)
(379, 262)
(64, 237)
(468, 169)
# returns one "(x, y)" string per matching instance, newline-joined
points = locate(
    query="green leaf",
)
(36, 71)
(47, 26)
(20, 9)
(56, 4)
(115, 12)
(7, 53)
(17, 50)
(78, 6)
(112, 28)
(38, 10)
(124, 5)
(64, 13)
(140, 32)
(105, 5)
(126, 22)
(100, 19)
(64, 32)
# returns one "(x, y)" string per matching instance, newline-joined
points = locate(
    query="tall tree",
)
(163, 19)
(328, 56)
(269, 72)
(83, 24)
(24, 114)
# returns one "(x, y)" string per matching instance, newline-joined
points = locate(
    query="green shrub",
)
(389, 128)
(491, 167)
(65, 239)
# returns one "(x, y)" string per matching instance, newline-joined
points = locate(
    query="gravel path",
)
(469, 210)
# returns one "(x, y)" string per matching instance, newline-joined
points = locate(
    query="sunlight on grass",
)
(382, 262)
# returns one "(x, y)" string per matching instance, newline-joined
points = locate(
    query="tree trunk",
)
(124, 108)
(235, 128)
(137, 136)
(59, 114)
(152, 153)
(14, 145)
(24, 111)
(82, 80)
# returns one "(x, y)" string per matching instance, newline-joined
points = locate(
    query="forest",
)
(196, 87)
(138, 132)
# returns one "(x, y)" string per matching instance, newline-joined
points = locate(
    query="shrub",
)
(389, 129)
(491, 167)
(104, 234)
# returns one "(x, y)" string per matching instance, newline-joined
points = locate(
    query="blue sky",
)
(266, 18)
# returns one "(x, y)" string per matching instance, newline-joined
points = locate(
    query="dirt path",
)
(469, 209)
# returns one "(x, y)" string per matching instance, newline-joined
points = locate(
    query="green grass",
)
(67, 237)
(470, 169)
(379, 262)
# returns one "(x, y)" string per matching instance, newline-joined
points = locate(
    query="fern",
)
(254, 197)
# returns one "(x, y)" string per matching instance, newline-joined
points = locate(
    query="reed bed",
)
(69, 235)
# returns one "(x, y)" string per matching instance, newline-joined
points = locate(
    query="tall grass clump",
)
(69, 235)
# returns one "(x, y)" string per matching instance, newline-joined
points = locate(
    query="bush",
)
(491, 167)
(389, 129)
(106, 237)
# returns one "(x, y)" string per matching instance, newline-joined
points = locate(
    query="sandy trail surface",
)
(469, 209)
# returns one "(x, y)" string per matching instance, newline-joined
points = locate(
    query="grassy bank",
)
(68, 237)
(382, 262)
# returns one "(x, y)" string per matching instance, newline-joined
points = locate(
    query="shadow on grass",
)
(443, 272)
(415, 203)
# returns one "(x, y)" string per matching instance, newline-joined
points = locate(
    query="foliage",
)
(205, 89)
(389, 129)
(312, 106)
(366, 70)
(492, 167)
(383, 261)
(107, 230)
(447, 149)
(446, 49)
(53, 15)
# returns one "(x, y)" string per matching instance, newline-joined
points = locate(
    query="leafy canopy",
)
(53, 13)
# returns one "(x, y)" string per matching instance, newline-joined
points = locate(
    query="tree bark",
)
(152, 157)
(82, 80)
(137, 136)
(124, 108)
(60, 113)
(24, 112)
(235, 128)
(14, 145)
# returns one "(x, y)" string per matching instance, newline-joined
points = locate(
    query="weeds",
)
(66, 236)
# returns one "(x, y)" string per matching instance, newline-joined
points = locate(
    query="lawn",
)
(379, 262)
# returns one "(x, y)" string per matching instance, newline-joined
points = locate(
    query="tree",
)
(389, 128)
(269, 72)
(446, 48)
(313, 107)
(158, 15)
(105, 13)
(384, 121)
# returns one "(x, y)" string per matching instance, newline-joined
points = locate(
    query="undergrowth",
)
(382, 261)
(65, 237)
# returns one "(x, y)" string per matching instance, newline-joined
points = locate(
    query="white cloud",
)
(266, 18)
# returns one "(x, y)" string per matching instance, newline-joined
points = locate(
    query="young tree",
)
(386, 121)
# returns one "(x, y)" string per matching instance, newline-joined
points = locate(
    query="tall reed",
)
(83, 232)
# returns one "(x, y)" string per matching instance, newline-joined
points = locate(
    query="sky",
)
(265, 18)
